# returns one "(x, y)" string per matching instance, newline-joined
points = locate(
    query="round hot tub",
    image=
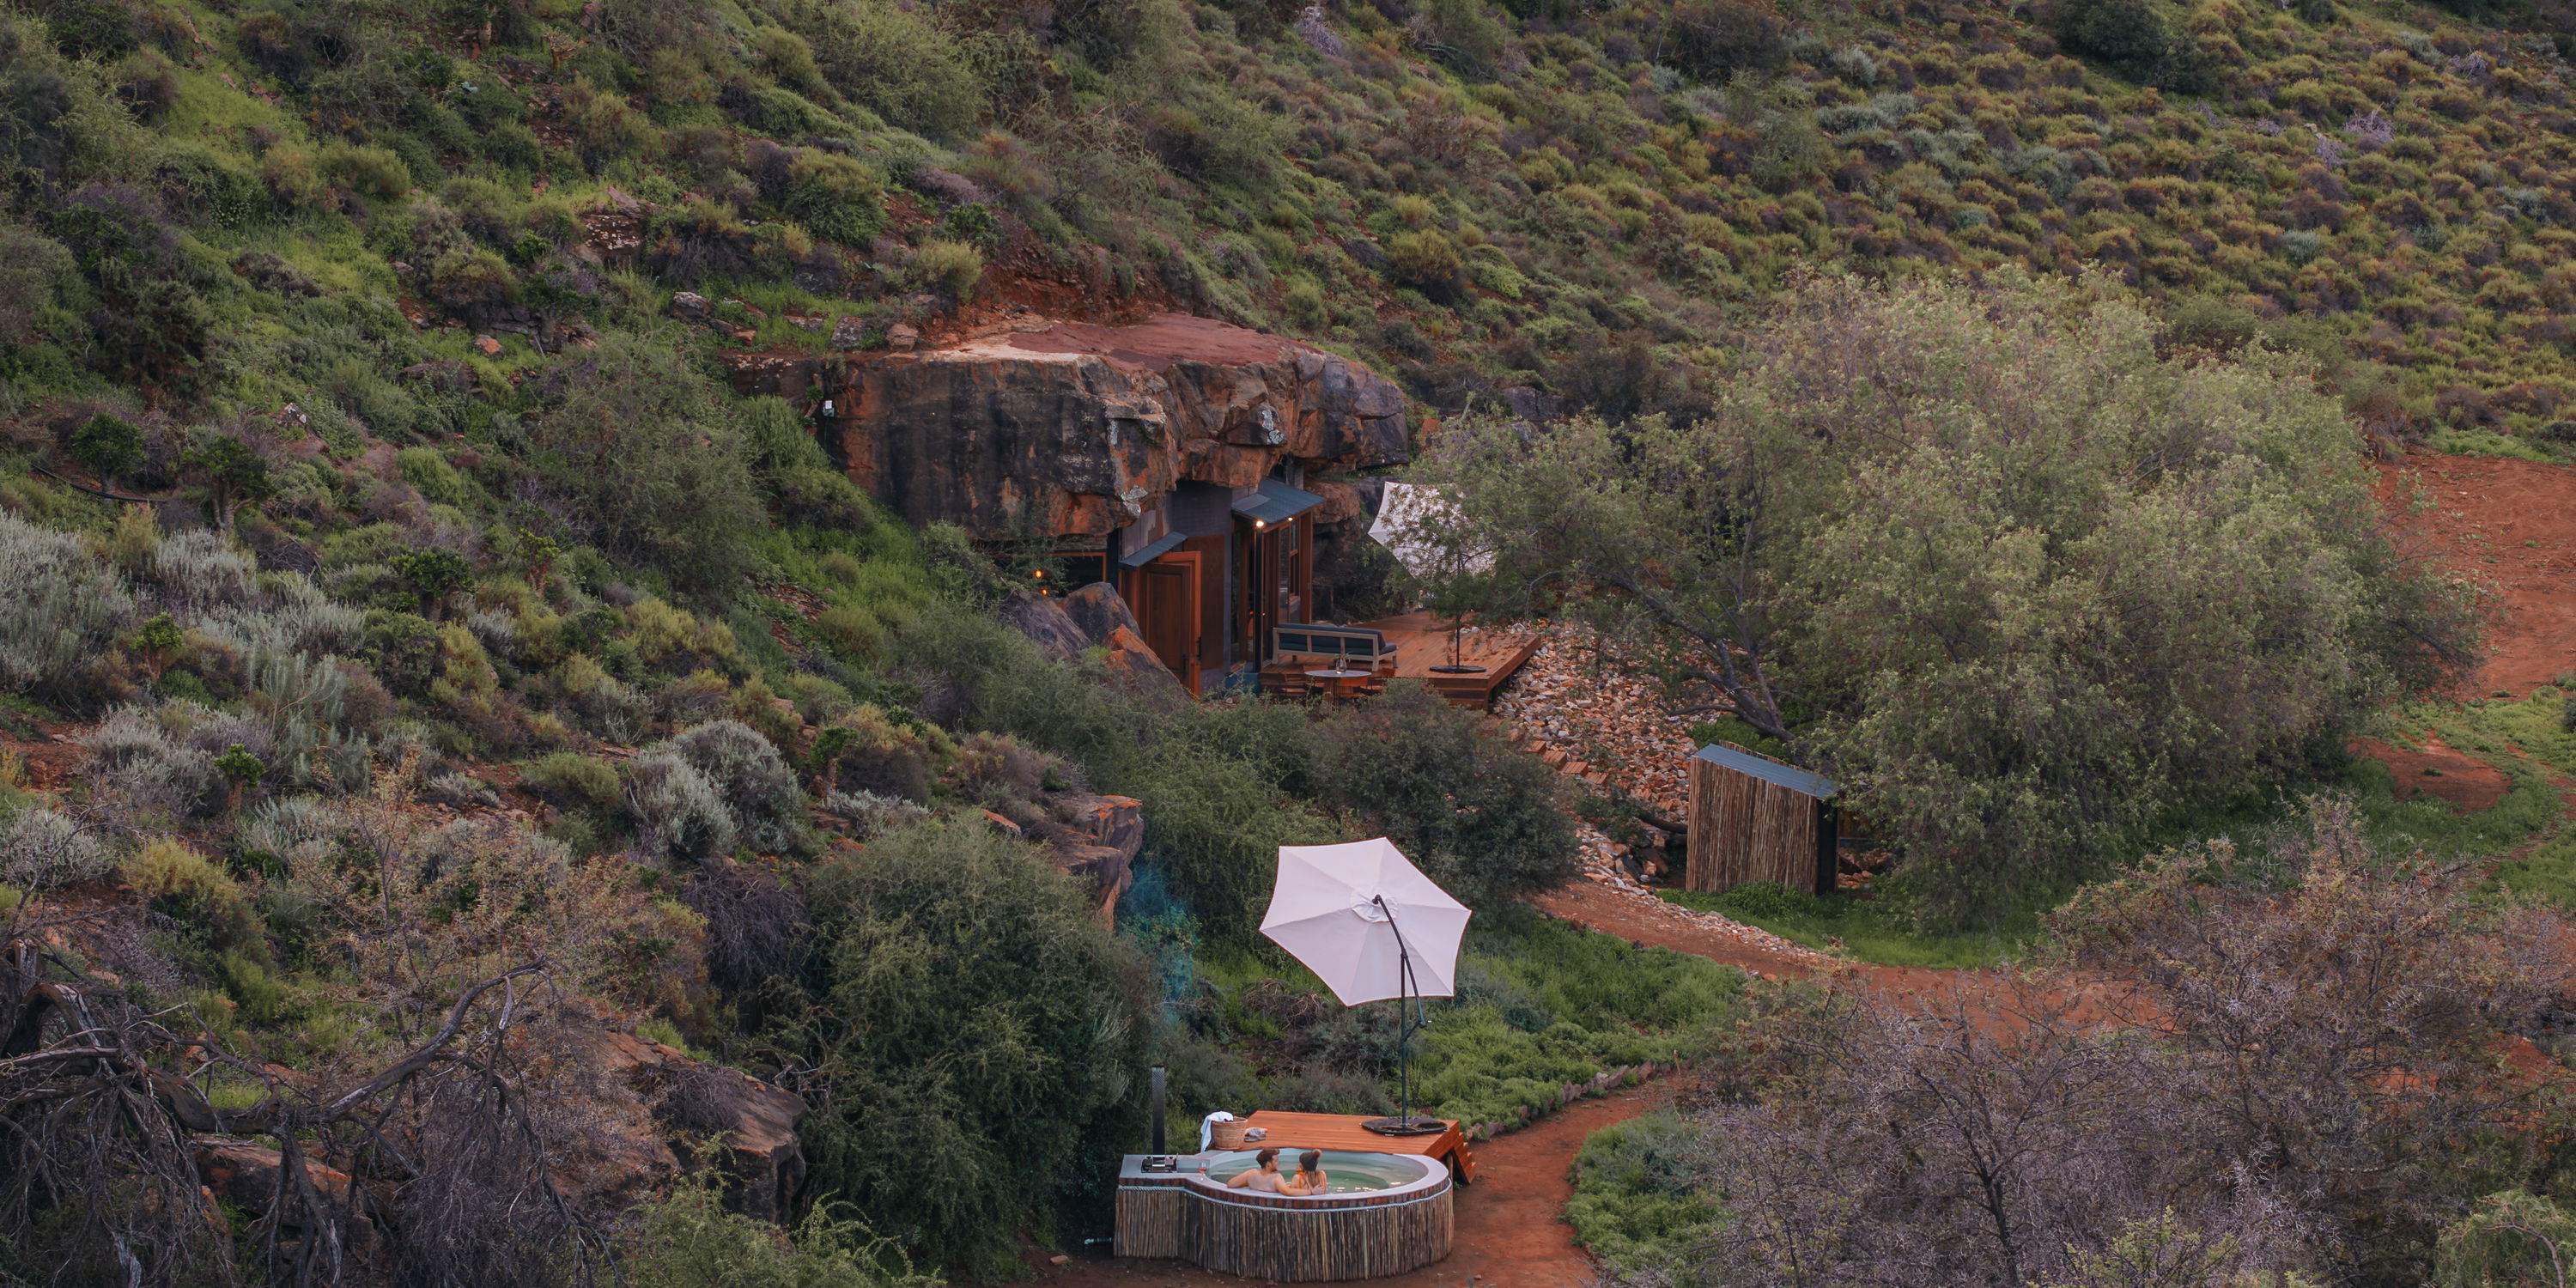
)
(1382, 1214)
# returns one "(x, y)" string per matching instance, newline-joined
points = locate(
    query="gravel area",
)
(1576, 705)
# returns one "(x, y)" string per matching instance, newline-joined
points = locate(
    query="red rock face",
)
(1078, 428)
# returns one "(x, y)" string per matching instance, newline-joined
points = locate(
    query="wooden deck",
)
(1292, 1132)
(1419, 642)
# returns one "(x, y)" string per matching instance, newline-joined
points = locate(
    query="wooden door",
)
(1167, 607)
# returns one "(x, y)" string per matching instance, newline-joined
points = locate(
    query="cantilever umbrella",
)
(1367, 922)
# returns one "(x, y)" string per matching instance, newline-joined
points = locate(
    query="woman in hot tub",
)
(1310, 1178)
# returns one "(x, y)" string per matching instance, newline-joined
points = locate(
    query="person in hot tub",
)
(1263, 1176)
(1310, 1178)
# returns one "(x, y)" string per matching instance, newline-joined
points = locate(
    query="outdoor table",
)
(1339, 681)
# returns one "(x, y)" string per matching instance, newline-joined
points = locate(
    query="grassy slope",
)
(1552, 205)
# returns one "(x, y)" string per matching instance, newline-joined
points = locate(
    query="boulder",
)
(1098, 609)
(1076, 428)
(1134, 667)
(629, 1147)
(1045, 622)
(1099, 840)
(1117, 822)
(245, 1174)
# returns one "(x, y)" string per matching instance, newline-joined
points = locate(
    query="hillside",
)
(527, 750)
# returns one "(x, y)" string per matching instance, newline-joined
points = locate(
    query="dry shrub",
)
(2286, 1053)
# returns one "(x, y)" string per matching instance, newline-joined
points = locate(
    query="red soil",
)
(2508, 524)
(1159, 341)
(1510, 1229)
(2437, 771)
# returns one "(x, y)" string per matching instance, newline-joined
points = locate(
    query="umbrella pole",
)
(1404, 1123)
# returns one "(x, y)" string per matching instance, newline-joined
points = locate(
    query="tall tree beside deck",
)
(1989, 559)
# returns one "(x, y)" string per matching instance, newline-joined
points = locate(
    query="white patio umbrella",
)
(1410, 520)
(1372, 927)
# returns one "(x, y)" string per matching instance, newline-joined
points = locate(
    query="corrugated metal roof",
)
(1769, 771)
(1152, 552)
(1276, 502)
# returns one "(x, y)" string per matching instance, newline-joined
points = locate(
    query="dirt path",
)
(1510, 1232)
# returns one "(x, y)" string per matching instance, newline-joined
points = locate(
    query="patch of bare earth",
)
(2431, 769)
(2510, 525)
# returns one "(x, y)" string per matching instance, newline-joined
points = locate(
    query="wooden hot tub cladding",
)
(1328, 1239)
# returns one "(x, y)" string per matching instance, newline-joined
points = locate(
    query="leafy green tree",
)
(1984, 556)
(109, 445)
(242, 772)
(973, 1040)
(433, 573)
(229, 472)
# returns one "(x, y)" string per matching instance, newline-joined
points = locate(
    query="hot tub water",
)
(1344, 1173)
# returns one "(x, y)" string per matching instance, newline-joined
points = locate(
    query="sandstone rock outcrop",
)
(1047, 625)
(1075, 428)
(1098, 609)
(629, 1148)
(1134, 666)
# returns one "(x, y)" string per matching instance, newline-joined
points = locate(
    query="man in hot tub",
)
(1263, 1176)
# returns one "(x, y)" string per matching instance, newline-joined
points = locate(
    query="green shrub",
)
(688, 1240)
(1541, 1004)
(430, 475)
(368, 171)
(678, 812)
(644, 447)
(60, 609)
(894, 62)
(403, 649)
(1423, 258)
(1636, 1206)
(787, 58)
(433, 574)
(836, 198)
(758, 789)
(952, 267)
(1733, 729)
(572, 779)
(949, 948)
(1479, 816)
(109, 445)
(295, 179)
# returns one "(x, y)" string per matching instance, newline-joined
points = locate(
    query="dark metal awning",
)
(1770, 771)
(1275, 502)
(1153, 552)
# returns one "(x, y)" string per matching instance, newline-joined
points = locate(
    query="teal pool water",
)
(1344, 1173)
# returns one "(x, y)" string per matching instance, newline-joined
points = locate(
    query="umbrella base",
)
(1406, 1126)
(1459, 670)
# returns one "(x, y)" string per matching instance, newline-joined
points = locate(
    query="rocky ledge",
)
(1074, 428)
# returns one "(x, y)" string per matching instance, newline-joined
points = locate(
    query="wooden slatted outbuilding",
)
(1753, 818)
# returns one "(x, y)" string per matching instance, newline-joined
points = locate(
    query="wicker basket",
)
(1228, 1135)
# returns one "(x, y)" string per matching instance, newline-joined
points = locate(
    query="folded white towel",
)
(1207, 1127)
